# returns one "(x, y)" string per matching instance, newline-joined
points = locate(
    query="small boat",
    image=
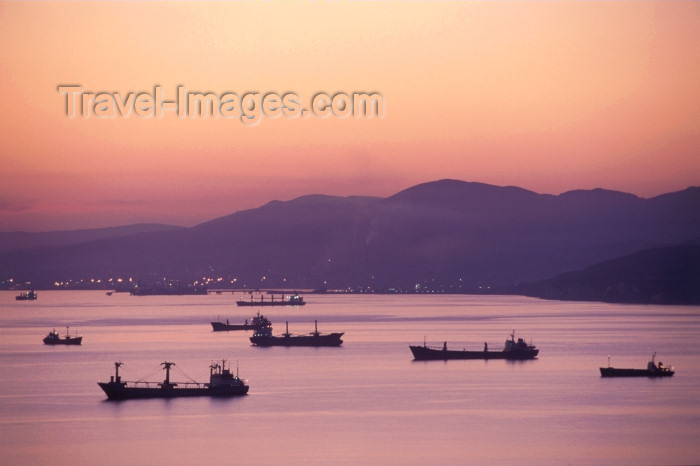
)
(258, 322)
(652, 370)
(513, 350)
(221, 383)
(53, 338)
(26, 296)
(292, 300)
(264, 337)
(109, 293)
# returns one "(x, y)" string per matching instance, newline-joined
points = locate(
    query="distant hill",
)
(447, 235)
(657, 276)
(22, 240)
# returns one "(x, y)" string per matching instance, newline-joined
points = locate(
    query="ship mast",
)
(117, 365)
(167, 373)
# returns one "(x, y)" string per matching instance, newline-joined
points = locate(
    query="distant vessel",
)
(512, 350)
(221, 383)
(264, 337)
(26, 296)
(169, 289)
(292, 300)
(53, 338)
(652, 370)
(258, 322)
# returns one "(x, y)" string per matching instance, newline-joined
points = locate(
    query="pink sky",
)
(549, 96)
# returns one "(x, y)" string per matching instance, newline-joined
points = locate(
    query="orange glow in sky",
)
(549, 96)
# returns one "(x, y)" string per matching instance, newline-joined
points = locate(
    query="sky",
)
(548, 96)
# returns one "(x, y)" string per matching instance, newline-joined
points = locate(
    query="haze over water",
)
(366, 402)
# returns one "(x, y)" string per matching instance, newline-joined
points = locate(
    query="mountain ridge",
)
(669, 275)
(24, 239)
(445, 235)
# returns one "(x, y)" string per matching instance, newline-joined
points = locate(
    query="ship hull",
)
(63, 341)
(28, 296)
(423, 353)
(614, 372)
(117, 391)
(332, 339)
(268, 303)
(222, 327)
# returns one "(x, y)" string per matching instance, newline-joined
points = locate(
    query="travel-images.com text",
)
(249, 107)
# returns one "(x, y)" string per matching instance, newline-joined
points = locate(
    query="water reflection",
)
(367, 402)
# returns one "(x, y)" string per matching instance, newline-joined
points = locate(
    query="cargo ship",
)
(221, 383)
(264, 337)
(169, 289)
(258, 322)
(291, 300)
(652, 370)
(513, 350)
(26, 296)
(53, 338)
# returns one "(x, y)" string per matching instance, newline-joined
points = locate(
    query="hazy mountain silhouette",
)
(20, 239)
(655, 276)
(444, 235)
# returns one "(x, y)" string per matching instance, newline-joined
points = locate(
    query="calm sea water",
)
(366, 402)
